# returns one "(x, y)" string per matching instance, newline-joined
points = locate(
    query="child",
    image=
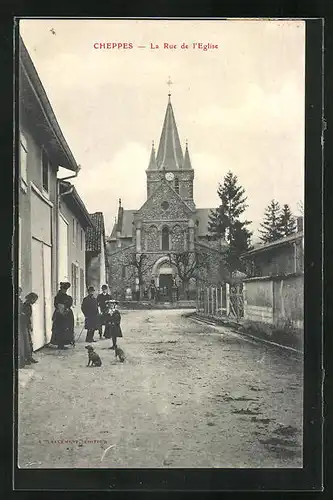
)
(112, 323)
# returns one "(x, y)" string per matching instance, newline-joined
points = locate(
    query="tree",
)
(188, 265)
(287, 221)
(272, 223)
(224, 222)
(300, 207)
(140, 265)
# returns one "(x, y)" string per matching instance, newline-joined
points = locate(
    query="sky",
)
(240, 105)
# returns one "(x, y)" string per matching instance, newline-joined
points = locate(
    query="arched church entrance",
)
(164, 274)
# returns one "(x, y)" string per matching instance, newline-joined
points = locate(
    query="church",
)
(144, 243)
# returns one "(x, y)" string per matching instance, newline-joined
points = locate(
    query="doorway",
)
(41, 284)
(165, 286)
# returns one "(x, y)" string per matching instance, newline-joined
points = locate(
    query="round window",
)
(165, 205)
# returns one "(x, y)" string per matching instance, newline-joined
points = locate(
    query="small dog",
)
(93, 357)
(119, 353)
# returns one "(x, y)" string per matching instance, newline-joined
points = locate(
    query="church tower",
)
(170, 163)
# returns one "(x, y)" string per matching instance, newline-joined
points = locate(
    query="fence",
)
(273, 299)
(224, 300)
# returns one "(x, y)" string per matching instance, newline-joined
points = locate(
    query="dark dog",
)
(93, 357)
(119, 353)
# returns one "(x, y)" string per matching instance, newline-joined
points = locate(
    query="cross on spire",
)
(169, 83)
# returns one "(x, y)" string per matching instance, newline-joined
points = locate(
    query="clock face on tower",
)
(169, 176)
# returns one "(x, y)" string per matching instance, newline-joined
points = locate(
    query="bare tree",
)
(140, 265)
(188, 265)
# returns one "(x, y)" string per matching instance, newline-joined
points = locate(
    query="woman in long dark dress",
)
(112, 323)
(63, 318)
(26, 348)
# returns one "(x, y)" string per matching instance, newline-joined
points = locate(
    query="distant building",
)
(274, 288)
(168, 221)
(74, 221)
(42, 149)
(280, 257)
(96, 257)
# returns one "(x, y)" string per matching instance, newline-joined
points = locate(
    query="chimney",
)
(299, 224)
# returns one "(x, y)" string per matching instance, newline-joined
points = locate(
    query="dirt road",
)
(188, 395)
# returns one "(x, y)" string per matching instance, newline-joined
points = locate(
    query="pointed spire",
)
(119, 202)
(169, 154)
(152, 162)
(187, 162)
(169, 82)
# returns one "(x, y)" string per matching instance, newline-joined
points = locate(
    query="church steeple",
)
(152, 162)
(170, 157)
(187, 162)
(169, 154)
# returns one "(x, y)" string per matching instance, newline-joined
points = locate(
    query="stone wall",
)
(120, 273)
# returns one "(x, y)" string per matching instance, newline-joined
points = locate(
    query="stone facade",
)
(168, 223)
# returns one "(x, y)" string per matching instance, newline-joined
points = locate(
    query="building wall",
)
(102, 272)
(151, 235)
(96, 269)
(185, 179)
(276, 300)
(76, 256)
(289, 300)
(120, 275)
(30, 224)
(285, 259)
(93, 270)
(258, 300)
(24, 249)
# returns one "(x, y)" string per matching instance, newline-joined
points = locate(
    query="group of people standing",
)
(98, 312)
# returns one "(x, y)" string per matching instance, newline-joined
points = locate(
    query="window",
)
(23, 158)
(73, 231)
(191, 190)
(45, 171)
(81, 239)
(123, 272)
(177, 185)
(75, 283)
(77, 232)
(165, 238)
(82, 287)
(165, 205)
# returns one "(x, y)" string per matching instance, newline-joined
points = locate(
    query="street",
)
(188, 395)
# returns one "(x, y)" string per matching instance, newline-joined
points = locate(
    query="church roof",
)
(169, 154)
(152, 162)
(125, 225)
(187, 162)
(202, 215)
(114, 231)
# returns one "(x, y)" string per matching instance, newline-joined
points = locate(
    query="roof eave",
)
(78, 203)
(68, 161)
(274, 244)
(82, 208)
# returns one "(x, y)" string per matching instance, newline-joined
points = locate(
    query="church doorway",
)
(165, 286)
